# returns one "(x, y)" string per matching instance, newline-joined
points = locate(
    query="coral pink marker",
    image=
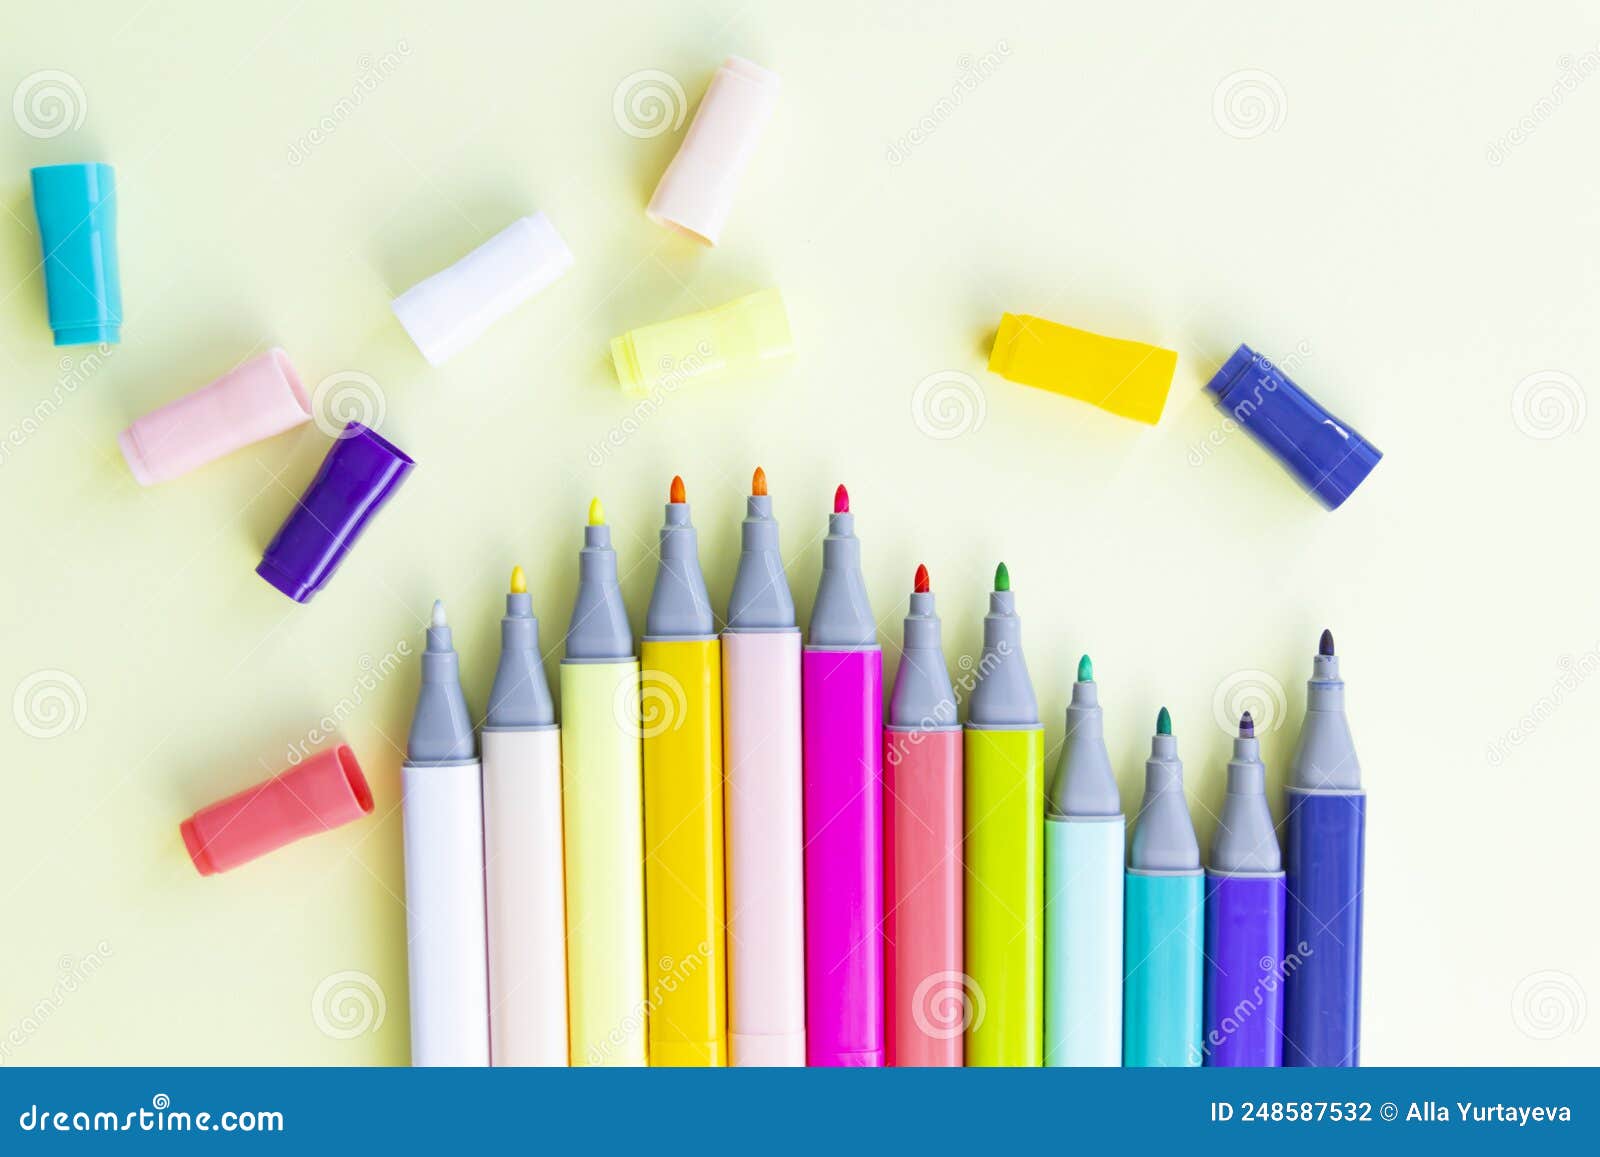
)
(842, 706)
(925, 998)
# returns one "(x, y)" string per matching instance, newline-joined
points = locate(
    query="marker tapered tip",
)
(438, 614)
(677, 493)
(1002, 578)
(1164, 722)
(597, 513)
(1247, 726)
(1085, 670)
(841, 500)
(758, 483)
(519, 581)
(919, 584)
(1325, 647)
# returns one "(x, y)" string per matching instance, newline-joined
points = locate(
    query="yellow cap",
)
(1127, 378)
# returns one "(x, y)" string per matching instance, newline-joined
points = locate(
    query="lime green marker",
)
(1004, 847)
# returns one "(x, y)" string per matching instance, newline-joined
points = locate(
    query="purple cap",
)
(1327, 456)
(357, 477)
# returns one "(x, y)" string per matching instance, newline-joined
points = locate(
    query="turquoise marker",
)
(1085, 846)
(1163, 947)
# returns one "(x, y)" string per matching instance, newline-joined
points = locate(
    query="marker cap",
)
(697, 189)
(735, 338)
(77, 210)
(325, 792)
(1126, 378)
(261, 398)
(1325, 455)
(450, 310)
(360, 473)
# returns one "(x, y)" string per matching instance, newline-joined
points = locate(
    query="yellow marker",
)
(603, 816)
(681, 722)
(1127, 378)
(736, 338)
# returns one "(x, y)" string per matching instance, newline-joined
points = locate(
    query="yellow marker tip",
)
(519, 581)
(597, 513)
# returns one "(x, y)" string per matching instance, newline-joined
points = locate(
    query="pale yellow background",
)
(1365, 232)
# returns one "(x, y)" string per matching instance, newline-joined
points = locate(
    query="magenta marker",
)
(841, 676)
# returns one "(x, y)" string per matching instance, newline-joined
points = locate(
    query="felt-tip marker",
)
(842, 704)
(1326, 837)
(603, 816)
(1005, 845)
(763, 802)
(1244, 920)
(927, 1006)
(1165, 900)
(681, 704)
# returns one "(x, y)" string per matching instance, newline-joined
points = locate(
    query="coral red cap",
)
(325, 792)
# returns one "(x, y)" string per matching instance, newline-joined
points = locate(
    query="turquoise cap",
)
(77, 210)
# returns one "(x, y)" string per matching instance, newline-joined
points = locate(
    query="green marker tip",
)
(1085, 670)
(1164, 722)
(1002, 578)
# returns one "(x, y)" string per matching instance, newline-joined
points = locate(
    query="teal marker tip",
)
(1164, 722)
(1085, 670)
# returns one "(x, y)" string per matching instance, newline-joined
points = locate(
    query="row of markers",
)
(727, 855)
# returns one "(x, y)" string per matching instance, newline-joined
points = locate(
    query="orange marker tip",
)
(758, 483)
(920, 583)
(677, 494)
(841, 500)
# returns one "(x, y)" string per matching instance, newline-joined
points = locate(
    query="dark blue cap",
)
(358, 476)
(1326, 455)
(77, 210)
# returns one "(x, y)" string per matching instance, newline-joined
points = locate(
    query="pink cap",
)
(325, 792)
(261, 398)
(697, 189)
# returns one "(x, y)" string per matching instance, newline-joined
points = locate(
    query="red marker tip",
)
(758, 483)
(677, 494)
(841, 500)
(919, 585)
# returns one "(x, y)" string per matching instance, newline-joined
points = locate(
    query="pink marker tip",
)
(841, 500)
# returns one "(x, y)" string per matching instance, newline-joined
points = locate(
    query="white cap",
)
(697, 189)
(447, 312)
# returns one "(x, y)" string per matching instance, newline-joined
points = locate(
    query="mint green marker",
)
(1085, 841)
